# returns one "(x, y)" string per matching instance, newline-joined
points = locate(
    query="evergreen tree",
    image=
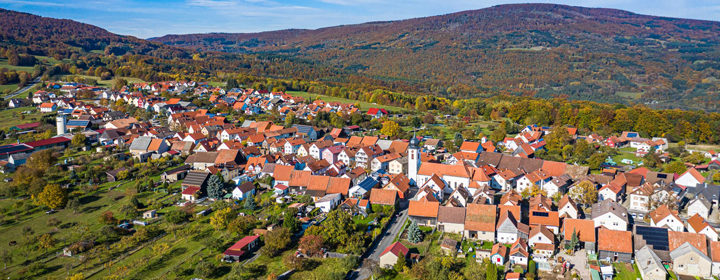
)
(574, 240)
(491, 271)
(215, 187)
(414, 233)
(400, 265)
(250, 203)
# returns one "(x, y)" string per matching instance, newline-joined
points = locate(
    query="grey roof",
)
(687, 248)
(178, 169)
(302, 129)
(269, 168)
(196, 178)
(247, 123)
(328, 197)
(19, 156)
(648, 261)
(384, 144)
(609, 206)
(110, 134)
(141, 143)
(489, 158)
(701, 197)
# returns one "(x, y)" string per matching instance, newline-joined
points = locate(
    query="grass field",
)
(10, 87)
(633, 95)
(4, 64)
(363, 105)
(12, 117)
(104, 83)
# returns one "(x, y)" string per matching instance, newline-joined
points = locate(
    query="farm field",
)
(363, 105)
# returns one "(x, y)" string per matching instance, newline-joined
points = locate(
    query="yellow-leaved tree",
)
(52, 196)
(390, 128)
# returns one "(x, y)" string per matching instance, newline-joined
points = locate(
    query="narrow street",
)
(373, 253)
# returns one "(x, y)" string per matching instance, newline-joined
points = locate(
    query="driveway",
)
(578, 261)
(372, 255)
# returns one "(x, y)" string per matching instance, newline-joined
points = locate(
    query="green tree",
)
(205, 269)
(176, 216)
(74, 204)
(596, 160)
(675, 167)
(222, 218)
(290, 119)
(46, 241)
(400, 265)
(338, 227)
(53, 196)
(6, 257)
(276, 241)
(78, 140)
(250, 203)
(491, 271)
(215, 187)
(290, 222)
(574, 241)
(414, 233)
(498, 135)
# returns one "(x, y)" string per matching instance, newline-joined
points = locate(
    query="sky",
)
(153, 18)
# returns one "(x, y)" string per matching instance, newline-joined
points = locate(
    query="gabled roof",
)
(585, 229)
(614, 241)
(396, 249)
(480, 217)
(649, 260)
(453, 215)
(663, 212)
(697, 240)
(428, 209)
(383, 197)
(698, 223)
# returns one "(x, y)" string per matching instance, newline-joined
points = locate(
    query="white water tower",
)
(61, 120)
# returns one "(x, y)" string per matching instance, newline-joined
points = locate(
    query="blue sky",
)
(150, 18)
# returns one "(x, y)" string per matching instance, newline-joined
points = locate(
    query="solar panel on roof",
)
(654, 236)
(8, 149)
(540, 214)
(632, 134)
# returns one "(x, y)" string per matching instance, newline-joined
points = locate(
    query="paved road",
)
(373, 253)
(24, 89)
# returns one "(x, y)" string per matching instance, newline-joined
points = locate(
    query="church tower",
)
(414, 160)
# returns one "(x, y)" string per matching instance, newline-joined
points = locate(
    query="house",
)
(449, 246)
(540, 235)
(567, 207)
(112, 175)
(480, 222)
(47, 107)
(400, 183)
(513, 276)
(384, 197)
(650, 265)
(197, 179)
(189, 193)
(499, 254)
(640, 198)
(612, 191)
(690, 178)
(363, 188)
(377, 113)
(150, 214)
(243, 191)
(519, 253)
(389, 257)
(175, 174)
(425, 212)
(691, 261)
(583, 229)
(696, 224)
(664, 217)
(715, 257)
(615, 245)
(611, 215)
(328, 202)
(700, 204)
(451, 219)
(432, 145)
(238, 250)
(509, 229)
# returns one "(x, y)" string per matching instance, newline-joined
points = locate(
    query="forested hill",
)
(544, 50)
(38, 35)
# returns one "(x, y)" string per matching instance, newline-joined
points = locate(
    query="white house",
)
(328, 202)
(611, 215)
(664, 217)
(640, 198)
(243, 191)
(541, 235)
(567, 207)
(690, 178)
(699, 205)
(697, 224)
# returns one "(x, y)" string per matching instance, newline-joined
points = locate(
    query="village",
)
(226, 157)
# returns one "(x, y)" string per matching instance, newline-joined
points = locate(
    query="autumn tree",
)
(584, 192)
(53, 196)
(78, 140)
(498, 135)
(222, 218)
(311, 245)
(108, 218)
(276, 241)
(338, 227)
(391, 129)
(675, 167)
(46, 241)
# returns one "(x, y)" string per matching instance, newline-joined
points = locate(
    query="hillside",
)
(532, 49)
